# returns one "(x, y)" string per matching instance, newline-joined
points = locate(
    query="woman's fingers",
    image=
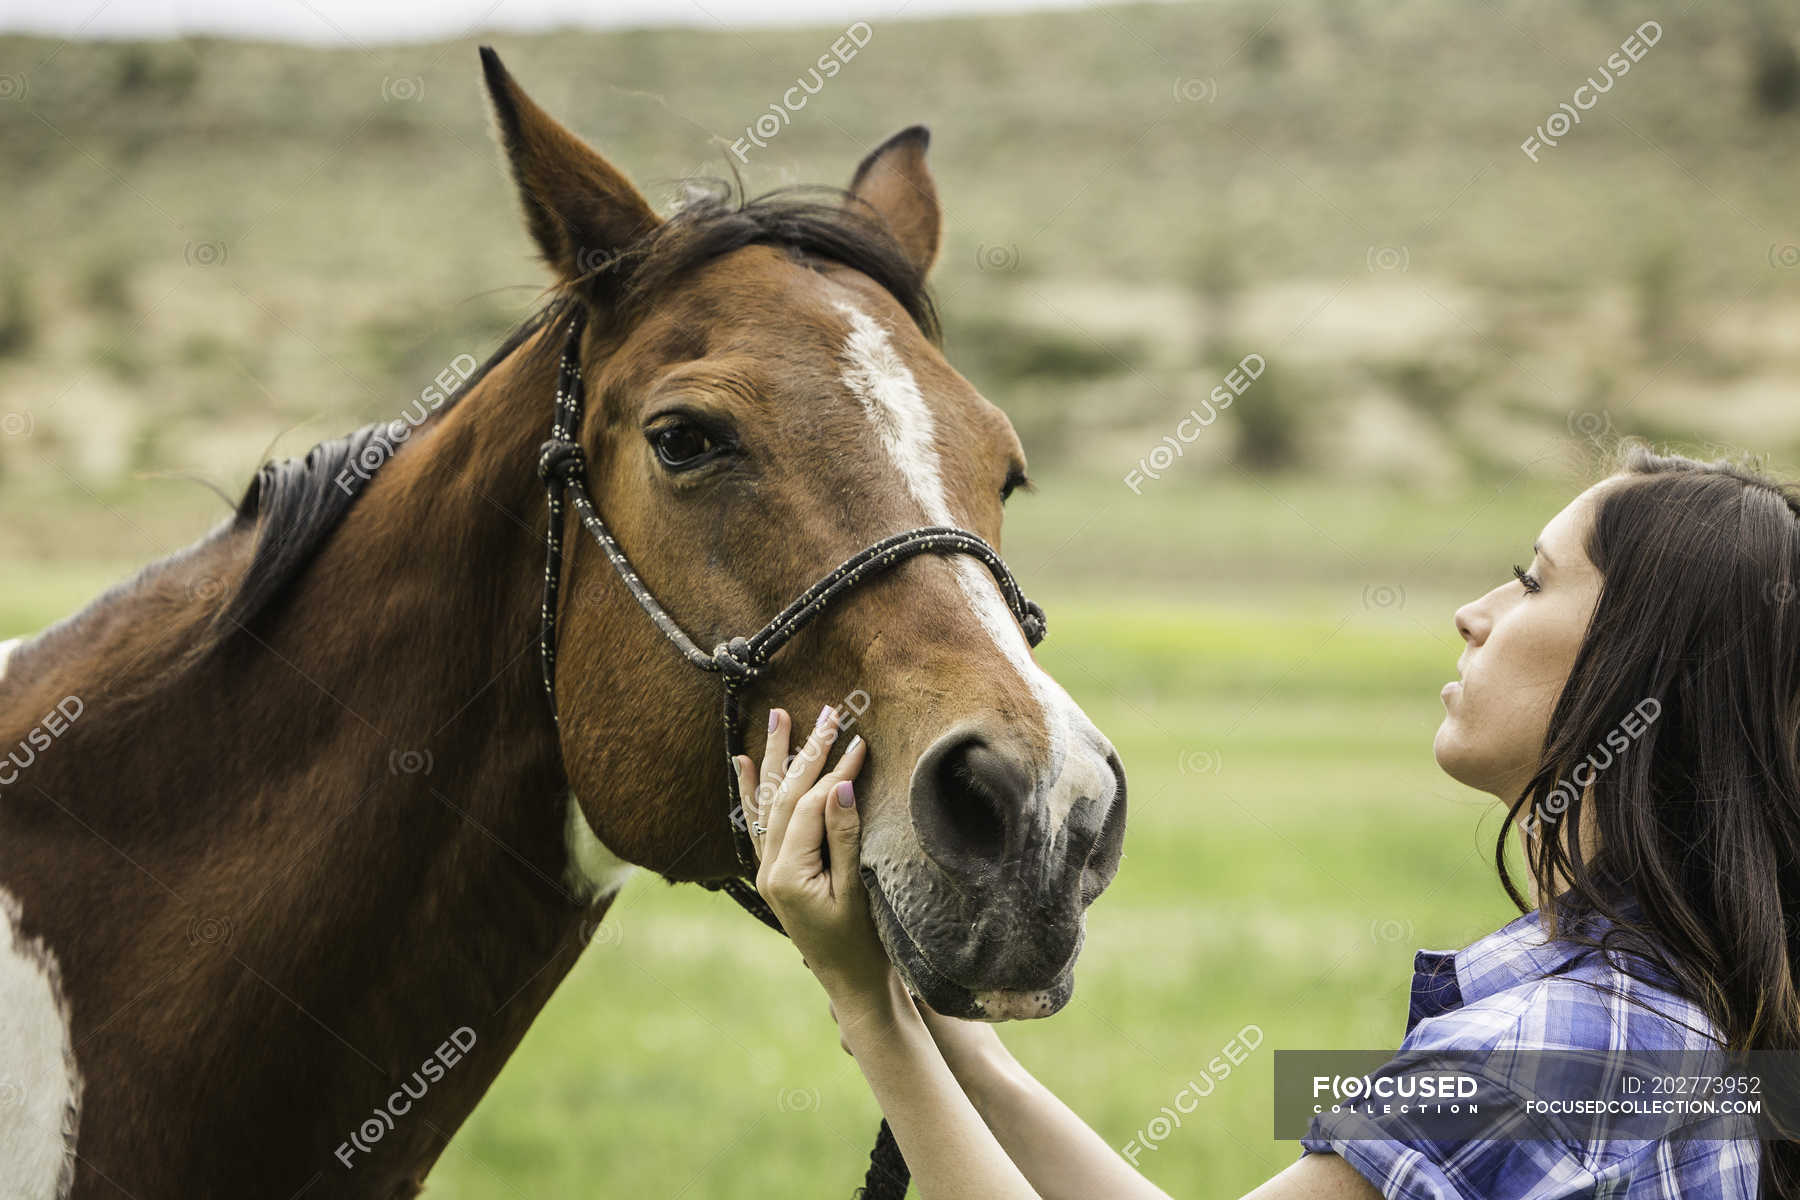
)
(800, 775)
(748, 799)
(758, 797)
(775, 751)
(813, 821)
(800, 856)
(843, 833)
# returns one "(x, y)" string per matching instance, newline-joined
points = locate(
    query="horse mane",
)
(812, 223)
(294, 505)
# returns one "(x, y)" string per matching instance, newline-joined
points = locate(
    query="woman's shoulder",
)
(1521, 987)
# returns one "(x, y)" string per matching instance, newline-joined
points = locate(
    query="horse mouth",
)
(945, 995)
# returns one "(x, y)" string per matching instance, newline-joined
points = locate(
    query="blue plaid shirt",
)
(1514, 989)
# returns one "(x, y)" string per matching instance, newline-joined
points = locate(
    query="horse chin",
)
(948, 997)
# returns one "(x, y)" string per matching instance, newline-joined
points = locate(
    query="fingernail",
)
(774, 718)
(854, 743)
(824, 716)
(846, 794)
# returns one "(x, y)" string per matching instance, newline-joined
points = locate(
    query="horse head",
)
(766, 395)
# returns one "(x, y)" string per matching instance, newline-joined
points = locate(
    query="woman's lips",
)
(1453, 688)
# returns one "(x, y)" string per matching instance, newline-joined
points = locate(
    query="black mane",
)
(811, 222)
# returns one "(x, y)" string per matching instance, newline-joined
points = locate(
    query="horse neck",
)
(343, 836)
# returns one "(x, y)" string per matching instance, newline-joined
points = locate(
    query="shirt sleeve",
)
(1525, 1156)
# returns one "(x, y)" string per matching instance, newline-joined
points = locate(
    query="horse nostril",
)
(967, 798)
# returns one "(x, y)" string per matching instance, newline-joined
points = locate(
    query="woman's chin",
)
(1452, 754)
(1482, 772)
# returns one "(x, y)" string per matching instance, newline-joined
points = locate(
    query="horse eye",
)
(681, 446)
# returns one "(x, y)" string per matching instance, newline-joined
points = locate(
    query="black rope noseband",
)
(739, 660)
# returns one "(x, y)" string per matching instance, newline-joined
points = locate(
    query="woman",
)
(1633, 697)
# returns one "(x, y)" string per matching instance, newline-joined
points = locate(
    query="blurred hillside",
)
(215, 249)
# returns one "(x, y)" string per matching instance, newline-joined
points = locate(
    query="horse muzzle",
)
(987, 915)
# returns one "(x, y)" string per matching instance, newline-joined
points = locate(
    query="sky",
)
(337, 22)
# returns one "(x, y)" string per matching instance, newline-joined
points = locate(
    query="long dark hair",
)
(1685, 694)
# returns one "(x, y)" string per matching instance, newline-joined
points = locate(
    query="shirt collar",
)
(1516, 952)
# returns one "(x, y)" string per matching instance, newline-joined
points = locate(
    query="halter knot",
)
(560, 461)
(736, 660)
(1034, 623)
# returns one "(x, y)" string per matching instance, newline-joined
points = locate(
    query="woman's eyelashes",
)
(1527, 580)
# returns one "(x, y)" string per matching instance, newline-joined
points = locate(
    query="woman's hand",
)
(807, 817)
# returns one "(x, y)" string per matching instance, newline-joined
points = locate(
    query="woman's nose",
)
(1470, 623)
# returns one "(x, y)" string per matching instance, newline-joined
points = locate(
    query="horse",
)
(293, 845)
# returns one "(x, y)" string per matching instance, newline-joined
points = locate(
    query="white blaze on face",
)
(880, 380)
(6, 652)
(40, 1087)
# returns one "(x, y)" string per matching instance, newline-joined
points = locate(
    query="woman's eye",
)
(1527, 580)
(681, 446)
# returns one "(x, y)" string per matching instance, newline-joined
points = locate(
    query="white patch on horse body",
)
(40, 1084)
(6, 653)
(881, 381)
(594, 872)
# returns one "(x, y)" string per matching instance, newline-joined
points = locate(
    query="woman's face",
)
(1521, 640)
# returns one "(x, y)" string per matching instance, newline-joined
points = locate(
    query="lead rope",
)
(563, 468)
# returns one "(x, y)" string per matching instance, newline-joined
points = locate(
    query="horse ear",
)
(579, 208)
(895, 182)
